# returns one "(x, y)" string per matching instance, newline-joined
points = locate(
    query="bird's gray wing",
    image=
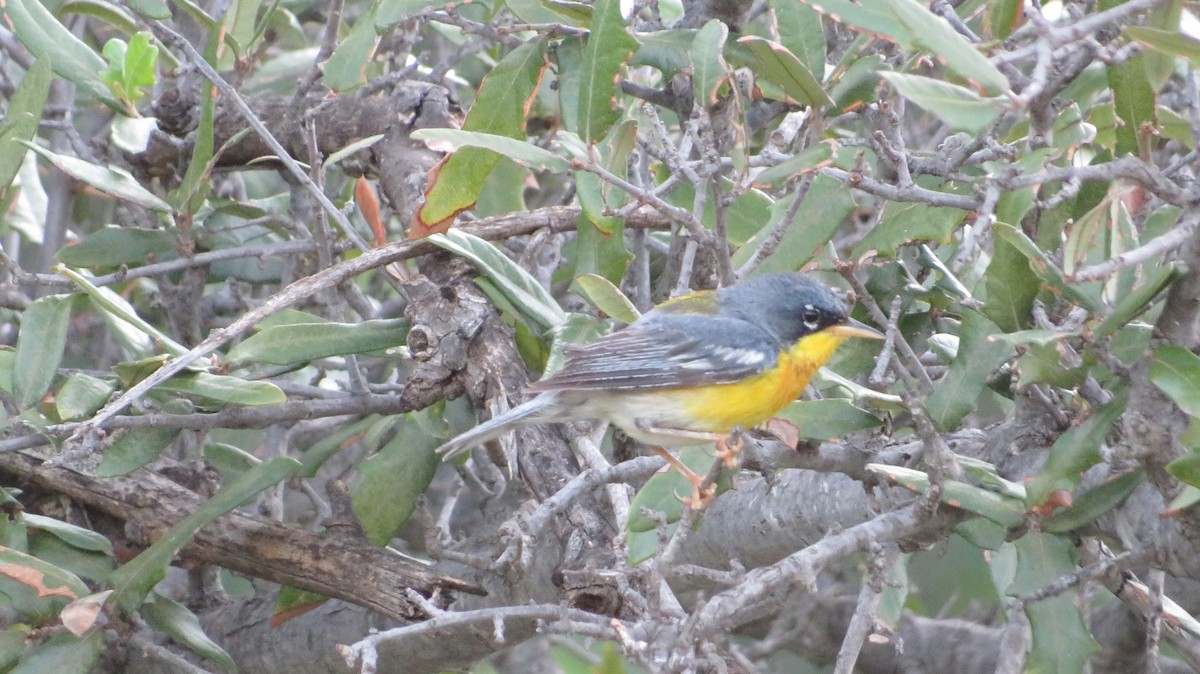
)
(667, 350)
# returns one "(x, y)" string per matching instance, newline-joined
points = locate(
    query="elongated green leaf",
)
(1134, 101)
(21, 121)
(1094, 502)
(81, 395)
(288, 344)
(934, 34)
(522, 152)
(598, 197)
(34, 587)
(175, 620)
(805, 161)
(773, 62)
(109, 13)
(907, 223)
(607, 297)
(45, 37)
(1171, 42)
(133, 580)
(112, 181)
(1041, 264)
(608, 46)
(136, 448)
(875, 18)
(800, 30)
(1002, 510)
(1061, 640)
(499, 109)
(40, 346)
(667, 50)
(114, 246)
(347, 67)
(825, 208)
(63, 652)
(1134, 303)
(1176, 371)
(828, 419)
(978, 357)
(1075, 451)
(75, 536)
(225, 389)
(1011, 287)
(113, 305)
(961, 108)
(522, 289)
(391, 482)
(709, 71)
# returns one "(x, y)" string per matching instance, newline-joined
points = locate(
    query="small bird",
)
(694, 368)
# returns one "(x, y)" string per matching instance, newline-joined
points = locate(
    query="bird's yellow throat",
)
(749, 403)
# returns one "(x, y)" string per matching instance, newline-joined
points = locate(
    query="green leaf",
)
(302, 343)
(934, 34)
(800, 31)
(520, 151)
(75, 536)
(961, 108)
(906, 223)
(660, 497)
(347, 67)
(607, 297)
(805, 161)
(225, 389)
(1075, 451)
(1172, 42)
(1061, 641)
(107, 12)
(35, 588)
(175, 620)
(858, 84)
(669, 51)
(499, 109)
(1011, 287)
(81, 395)
(46, 38)
(136, 448)
(709, 71)
(1133, 304)
(131, 67)
(21, 121)
(1176, 372)
(391, 482)
(133, 581)
(516, 283)
(1134, 101)
(113, 246)
(773, 62)
(63, 653)
(1003, 510)
(40, 347)
(828, 419)
(1041, 264)
(598, 196)
(978, 357)
(576, 329)
(825, 207)
(608, 46)
(112, 181)
(871, 17)
(112, 305)
(1095, 502)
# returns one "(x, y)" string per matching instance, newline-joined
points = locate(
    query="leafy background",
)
(261, 258)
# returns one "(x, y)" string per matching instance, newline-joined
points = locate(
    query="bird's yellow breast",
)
(721, 408)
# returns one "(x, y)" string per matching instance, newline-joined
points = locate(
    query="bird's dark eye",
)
(812, 318)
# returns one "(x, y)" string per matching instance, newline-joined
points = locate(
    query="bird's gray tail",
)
(540, 409)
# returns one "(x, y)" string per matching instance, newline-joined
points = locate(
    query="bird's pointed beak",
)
(853, 328)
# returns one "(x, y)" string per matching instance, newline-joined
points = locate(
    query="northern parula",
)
(695, 367)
